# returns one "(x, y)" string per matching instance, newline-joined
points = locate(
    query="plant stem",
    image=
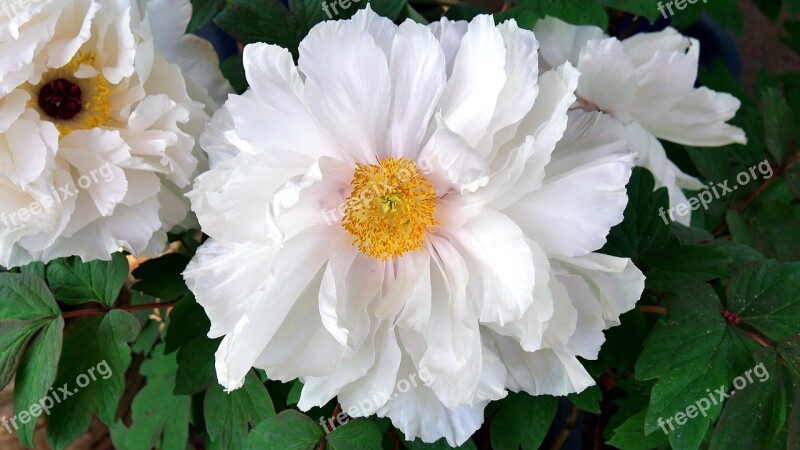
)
(98, 311)
(653, 309)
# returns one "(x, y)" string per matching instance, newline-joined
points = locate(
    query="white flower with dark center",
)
(97, 129)
(405, 220)
(647, 82)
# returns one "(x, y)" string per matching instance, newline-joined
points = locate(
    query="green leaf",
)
(642, 8)
(233, 69)
(14, 338)
(294, 394)
(230, 415)
(643, 229)
(755, 415)
(357, 434)
(202, 13)
(96, 351)
(630, 435)
(74, 282)
(187, 322)
(415, 15)
(623, 345)
(588, 400)
(196, 366)
(766, 296)
(790, 353)
(667, 269)
(441, 444)
(778, 124)
(289, 430)
(34, 268)
(26, 306)
(159, 419)
(578, 12)
(35, 375)
(251, 21)
(463, 11)
(25, 297)
(525, 19)
(162, 277)
(691, 351)
(390, 9)
(523, 420)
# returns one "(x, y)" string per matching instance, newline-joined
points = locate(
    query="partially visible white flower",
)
(411, 200)
(97, 131)
(647, 82)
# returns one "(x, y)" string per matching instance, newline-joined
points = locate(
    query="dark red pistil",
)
(60, 99)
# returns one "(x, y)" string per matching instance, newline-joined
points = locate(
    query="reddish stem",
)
(735, 320)
(741, 206)
(98, 311)
(336, 412)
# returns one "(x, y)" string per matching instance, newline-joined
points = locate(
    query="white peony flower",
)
(646, 82)
(406, 221)
(97, 129)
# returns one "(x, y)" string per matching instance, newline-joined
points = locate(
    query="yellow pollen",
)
(390, 209)
(95, 109)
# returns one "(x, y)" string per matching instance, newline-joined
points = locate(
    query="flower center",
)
(60, 99)
(390, 209)
(72, 102)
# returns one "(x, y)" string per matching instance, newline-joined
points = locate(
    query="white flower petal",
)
(562, 42)
(224, 294)
(470, 97)
(418, 78)
(418, 413)
(348, 86)
(500, 264)
(274, 116)
(615, 283)
(561, 216)
(294, 268)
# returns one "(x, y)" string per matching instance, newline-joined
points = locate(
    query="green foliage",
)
(161, 277)
(74, 282)
(230, 415)
(270, 21)
(630, 435)
(522, 420)
(588, 400)
(36, 374)
(91, 344)
(357, 434)
(202, 13)
(289, 430)
(29, 320)
(754, 417)
(695, 349)
(160, 419)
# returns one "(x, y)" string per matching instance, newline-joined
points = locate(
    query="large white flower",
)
(97, 129)
(647, 82)
(405, 220)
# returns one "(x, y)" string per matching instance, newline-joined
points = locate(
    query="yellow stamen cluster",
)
(390, 209)
(95, 109)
